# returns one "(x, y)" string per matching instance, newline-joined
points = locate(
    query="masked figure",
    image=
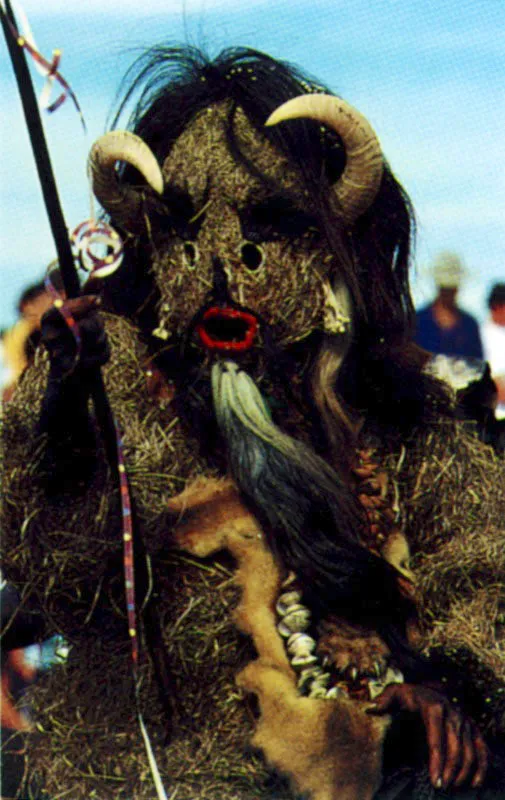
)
(286, 455)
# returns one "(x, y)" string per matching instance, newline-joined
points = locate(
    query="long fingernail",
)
(438, 783)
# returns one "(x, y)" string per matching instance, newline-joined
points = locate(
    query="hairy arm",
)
(458, 755)
(66, 421)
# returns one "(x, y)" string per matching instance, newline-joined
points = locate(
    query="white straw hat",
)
(448, 270)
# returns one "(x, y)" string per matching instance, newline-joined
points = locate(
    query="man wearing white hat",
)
(441, 326)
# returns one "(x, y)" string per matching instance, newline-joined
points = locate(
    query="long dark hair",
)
(170, 85)
(174, 84)
(382, 376)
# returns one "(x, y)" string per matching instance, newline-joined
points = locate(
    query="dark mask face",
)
(228, 240)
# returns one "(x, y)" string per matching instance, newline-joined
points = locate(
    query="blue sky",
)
(428, 75)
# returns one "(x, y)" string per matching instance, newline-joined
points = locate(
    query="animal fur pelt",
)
(69, 564)
(330, 750)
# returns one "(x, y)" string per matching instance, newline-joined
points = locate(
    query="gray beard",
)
(310, 517)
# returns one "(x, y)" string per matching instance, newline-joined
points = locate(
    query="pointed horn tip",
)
(158, 183)
(297, 107)
(274, 118)
(120, 146)
(360, 180)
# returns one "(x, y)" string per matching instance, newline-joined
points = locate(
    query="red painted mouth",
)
(225, 329)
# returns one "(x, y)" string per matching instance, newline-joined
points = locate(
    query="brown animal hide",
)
(330, 749)
(449, 505)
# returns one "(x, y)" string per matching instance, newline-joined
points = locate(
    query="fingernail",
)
(438, 783)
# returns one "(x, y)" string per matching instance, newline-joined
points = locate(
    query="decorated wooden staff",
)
(81, 239)
(15, 45)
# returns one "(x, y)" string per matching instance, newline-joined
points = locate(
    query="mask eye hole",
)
(191, 255)
(252, 256)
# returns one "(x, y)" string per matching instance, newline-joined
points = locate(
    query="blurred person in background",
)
(20, 341)
(493, 339)
(442, 327)
(24, 652)
(458, 349)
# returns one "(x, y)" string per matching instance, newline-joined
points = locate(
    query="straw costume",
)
(311, 523)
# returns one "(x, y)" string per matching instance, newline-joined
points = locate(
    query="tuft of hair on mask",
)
(309, 517)
(168, 86)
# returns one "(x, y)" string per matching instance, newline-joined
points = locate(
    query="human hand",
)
(68, 352)
(457, 751)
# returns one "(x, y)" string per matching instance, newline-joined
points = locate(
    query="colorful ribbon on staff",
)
(48, 69)
(97, 247)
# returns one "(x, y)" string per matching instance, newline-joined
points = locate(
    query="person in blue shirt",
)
(442, 326)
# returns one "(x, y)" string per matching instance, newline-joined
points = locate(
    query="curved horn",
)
(123, 203)
(360, 180)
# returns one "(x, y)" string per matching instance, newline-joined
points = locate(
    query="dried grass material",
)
(451, 494)
(160, 455)
(451, 485)
(62, 553)
(290, 297)
(477, 625)
(88, 744)
(463, 566)
(45, 549)
(70, 560)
